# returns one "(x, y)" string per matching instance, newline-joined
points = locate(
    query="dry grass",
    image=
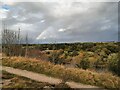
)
(11, 81)
(105, 80)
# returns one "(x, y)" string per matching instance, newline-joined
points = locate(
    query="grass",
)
(15, 81)
(105, 80)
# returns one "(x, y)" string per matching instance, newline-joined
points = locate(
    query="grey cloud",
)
(98, 22)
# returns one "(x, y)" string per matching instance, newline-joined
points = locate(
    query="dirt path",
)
(43, 78)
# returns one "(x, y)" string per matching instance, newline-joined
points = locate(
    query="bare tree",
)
(19, 42)
(9, 42)
(26, 49)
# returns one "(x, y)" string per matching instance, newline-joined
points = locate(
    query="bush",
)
(84, 64)
(113, 63)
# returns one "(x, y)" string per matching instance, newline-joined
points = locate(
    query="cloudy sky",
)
(49, 22)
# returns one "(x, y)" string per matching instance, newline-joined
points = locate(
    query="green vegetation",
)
(95, 56)
(14, 81)
(105, 80)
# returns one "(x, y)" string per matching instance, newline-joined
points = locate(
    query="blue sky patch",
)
(6, 7)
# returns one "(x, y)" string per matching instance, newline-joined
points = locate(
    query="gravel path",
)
(44, 78)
